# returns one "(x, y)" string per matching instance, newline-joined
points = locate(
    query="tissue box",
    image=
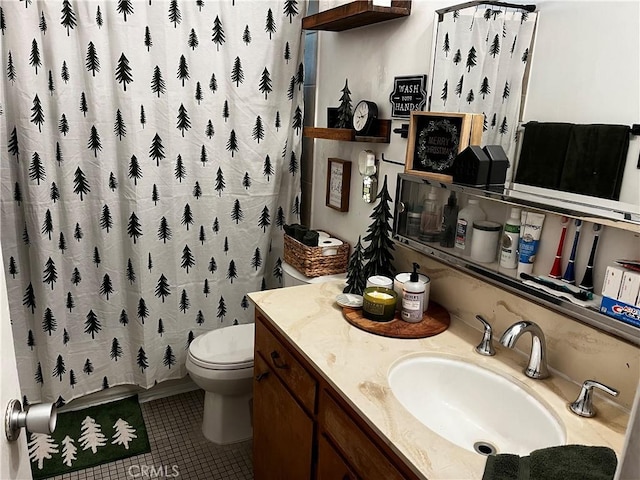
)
(620, 311)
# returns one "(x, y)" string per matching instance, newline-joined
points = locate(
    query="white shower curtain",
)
(149, 160)
(480, 59)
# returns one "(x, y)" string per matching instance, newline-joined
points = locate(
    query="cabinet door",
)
(331, 466)
(282, 431)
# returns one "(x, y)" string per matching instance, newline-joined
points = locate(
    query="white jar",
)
(484, 243)
(379, 281)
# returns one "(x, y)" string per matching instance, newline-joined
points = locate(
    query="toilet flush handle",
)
(277, 361)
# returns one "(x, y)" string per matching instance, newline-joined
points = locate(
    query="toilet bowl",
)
(221, 363)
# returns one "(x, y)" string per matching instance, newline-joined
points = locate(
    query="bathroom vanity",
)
(323, 405)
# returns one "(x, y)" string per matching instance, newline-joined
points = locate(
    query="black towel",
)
(544, 148)
(595, 160)
(567, 462)
(584, 159)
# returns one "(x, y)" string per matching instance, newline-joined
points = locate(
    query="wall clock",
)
(338, 183)
(364, 116)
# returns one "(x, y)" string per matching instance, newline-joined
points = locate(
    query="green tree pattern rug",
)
(89, 437)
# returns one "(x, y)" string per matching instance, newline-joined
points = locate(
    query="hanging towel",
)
(595, 160)
(544, 148)
(584, 159)
(567, 462)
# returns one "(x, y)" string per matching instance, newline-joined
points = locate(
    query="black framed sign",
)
(436, 138)
(409, 94)
(338, 183)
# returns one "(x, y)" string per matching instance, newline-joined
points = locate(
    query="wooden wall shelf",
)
(381, 133)
(355, 14)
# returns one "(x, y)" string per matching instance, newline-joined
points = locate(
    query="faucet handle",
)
(485, 347)
(583, 405)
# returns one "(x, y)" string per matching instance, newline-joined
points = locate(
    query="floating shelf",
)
(381, 133)
(355, 14)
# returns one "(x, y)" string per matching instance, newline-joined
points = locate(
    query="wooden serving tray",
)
(434, 321)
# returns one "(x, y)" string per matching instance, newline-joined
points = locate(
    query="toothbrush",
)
(587, 280)
(556, 269)
(570, 273)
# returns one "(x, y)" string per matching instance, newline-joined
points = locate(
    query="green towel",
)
(568, 462)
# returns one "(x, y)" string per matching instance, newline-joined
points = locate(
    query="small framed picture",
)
(338, 183)
(436, 138)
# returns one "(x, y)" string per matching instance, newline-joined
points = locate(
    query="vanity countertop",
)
(356, 364)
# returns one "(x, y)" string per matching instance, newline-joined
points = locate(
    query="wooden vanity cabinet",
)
(282, 429)
(302, 428)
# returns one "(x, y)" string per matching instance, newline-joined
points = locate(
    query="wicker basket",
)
(311, 262)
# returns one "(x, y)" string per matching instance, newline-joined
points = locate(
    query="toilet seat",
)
(228, 348)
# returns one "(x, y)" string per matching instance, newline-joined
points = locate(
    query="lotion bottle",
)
(449, 219)
(510, 240)
(464, 226)
(413, 297)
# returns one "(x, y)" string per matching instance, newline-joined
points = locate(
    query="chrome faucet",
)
(485, 347)
(537, 367)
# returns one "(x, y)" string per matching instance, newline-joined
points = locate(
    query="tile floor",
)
(178, 448)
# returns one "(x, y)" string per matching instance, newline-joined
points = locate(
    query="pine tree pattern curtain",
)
(149, 161)
(480, 59)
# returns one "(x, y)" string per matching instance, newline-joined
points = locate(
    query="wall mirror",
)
(576, 75)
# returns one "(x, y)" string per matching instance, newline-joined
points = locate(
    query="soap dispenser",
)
(413, 297)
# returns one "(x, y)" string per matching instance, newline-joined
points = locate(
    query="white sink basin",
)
(473, 407)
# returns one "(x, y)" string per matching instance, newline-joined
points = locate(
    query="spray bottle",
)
(412, 297)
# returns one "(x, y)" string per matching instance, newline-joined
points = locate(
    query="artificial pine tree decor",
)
(356, 280)
(345, 112)
(378, 253)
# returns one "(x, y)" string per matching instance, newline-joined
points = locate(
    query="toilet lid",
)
(225, 348)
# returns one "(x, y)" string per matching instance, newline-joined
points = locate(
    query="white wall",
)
(14, 458)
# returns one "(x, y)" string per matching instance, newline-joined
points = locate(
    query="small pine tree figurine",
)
(345, 112)
(356, 280)
(378, 253)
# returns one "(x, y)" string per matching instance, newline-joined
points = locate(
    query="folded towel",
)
(567, 462)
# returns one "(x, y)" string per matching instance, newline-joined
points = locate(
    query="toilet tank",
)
(292, 277)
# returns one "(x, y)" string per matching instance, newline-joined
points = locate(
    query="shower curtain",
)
(481, 56)
(149, 161)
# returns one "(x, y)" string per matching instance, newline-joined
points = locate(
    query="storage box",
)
(620, 311)
(314, 261)
(630, 288)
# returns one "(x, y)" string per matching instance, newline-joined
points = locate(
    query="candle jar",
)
(379, 303)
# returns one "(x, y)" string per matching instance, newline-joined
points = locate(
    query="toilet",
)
(221, 363)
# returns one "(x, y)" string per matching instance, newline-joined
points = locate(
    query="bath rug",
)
(89, 437)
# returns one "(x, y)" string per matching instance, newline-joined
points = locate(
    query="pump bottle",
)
(413, 297)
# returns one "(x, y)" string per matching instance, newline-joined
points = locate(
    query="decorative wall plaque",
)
(435, 138)
(409, 94)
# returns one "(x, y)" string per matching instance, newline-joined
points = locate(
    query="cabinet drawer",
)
(331, 466)
(301, 384)
(363, 455)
